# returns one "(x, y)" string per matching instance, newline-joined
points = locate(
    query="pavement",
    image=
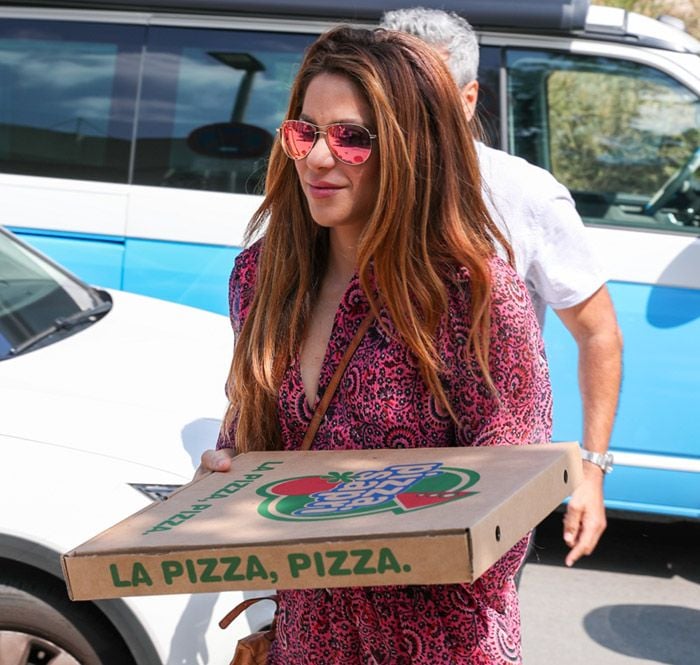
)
(635, 600)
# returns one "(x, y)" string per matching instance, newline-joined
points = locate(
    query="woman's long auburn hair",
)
(428, 221)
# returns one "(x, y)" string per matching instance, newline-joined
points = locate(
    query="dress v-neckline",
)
(321, 382)
(342, 310)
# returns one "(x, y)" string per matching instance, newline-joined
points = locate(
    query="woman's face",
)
(340, 196)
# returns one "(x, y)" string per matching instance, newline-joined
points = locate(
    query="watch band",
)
(602, 460)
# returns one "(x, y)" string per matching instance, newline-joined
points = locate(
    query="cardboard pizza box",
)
(330, 519)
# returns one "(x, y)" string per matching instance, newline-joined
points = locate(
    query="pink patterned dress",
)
(382, 402)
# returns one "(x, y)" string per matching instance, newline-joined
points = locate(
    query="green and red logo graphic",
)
(400, 488)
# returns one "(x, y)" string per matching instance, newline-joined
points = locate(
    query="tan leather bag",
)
(254, 648)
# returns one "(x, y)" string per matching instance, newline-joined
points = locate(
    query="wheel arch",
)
(32, 556)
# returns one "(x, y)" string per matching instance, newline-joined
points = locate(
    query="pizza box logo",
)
(399, 488)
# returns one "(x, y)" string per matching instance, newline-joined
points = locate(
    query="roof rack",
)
(546, 15)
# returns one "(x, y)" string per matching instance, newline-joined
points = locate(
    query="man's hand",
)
(593, 325)
(584, 521)
(214, 460)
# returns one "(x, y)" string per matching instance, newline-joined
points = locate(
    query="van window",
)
(623, 137)
(488, 109)
(67, 94)
(211, 103)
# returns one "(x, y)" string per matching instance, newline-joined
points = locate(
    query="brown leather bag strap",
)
(242, 607)
(306, 444)
(335, 381)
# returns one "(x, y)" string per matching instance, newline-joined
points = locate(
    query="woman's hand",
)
(214, 460)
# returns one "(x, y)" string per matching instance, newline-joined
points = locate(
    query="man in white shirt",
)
(552, 254)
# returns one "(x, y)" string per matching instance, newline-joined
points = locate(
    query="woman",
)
(373, 203)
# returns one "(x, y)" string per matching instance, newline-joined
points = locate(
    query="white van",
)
(133, 145)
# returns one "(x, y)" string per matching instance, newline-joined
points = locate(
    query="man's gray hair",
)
(441, 29)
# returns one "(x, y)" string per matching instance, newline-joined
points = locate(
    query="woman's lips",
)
(322, 190)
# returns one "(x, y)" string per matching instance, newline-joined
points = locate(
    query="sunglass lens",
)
(298, 138)
(351, 144)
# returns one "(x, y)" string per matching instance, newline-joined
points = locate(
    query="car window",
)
(623, 137)
(211, 103)
(67, 95)
(38, 301)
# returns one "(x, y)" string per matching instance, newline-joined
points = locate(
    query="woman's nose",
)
(320, 156)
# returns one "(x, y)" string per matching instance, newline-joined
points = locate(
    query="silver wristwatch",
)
(603, 460)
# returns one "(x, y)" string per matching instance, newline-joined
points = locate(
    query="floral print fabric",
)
(382, 402)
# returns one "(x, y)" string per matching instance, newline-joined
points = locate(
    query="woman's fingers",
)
(214, 460)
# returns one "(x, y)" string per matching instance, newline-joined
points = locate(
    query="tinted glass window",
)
(488, 107)
(624, 137)
(39, 303)
(211, 103)
(67, 94)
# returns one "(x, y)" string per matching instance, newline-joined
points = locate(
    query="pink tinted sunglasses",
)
(348, 143)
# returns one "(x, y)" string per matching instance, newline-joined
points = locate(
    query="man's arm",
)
(593, 325)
